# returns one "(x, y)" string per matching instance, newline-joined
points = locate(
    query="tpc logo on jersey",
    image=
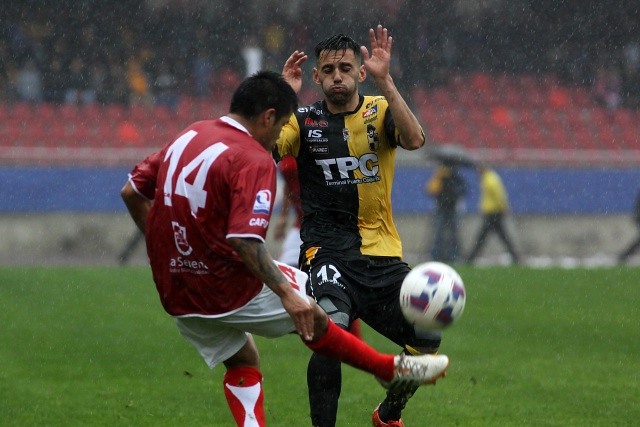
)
(262, 204)
(180, 237)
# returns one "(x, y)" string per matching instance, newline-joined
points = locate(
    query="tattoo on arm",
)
(258, 260)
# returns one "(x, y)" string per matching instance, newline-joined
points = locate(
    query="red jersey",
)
(288, 167)
(213, 182)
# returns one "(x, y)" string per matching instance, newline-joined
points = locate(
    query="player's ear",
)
(362, 74)
(269, 117)
(314, 72)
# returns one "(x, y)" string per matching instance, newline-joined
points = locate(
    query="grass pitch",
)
(92, 347)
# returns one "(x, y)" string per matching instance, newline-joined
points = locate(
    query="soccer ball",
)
(432, 296)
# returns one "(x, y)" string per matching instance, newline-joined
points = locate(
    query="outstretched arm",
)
(377, 64)
(258, 260)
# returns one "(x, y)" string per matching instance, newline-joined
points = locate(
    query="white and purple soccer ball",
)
(432, 296)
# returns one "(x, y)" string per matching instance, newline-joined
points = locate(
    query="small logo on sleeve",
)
(262, 204)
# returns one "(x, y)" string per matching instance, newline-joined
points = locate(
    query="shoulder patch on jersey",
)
(262, 203)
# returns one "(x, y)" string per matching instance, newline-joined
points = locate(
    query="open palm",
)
(377, 63)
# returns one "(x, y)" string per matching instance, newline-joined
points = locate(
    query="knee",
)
(247, 356)
(320, 321)
(337, 314)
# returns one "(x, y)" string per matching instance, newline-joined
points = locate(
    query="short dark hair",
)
(261, 91)
(337, 42)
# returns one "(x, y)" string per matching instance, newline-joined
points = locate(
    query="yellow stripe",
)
(415, 352)
(310, 254)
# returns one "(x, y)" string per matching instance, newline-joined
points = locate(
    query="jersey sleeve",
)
(144, 175)
(289, 140)
(252, 200)
(391, 130)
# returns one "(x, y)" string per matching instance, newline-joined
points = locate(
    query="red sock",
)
(342, 345)
(243, 390)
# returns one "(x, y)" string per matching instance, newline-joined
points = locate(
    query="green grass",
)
(92, 346)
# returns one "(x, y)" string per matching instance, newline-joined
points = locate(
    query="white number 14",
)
(194, 192)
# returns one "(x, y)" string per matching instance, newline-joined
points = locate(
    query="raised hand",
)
(292, 70)
(378, 63)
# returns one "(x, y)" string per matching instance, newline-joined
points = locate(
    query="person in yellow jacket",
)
(494, 206)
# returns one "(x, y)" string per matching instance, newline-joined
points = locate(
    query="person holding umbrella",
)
(447, 187)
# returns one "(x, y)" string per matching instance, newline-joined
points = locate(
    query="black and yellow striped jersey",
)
(346, 166)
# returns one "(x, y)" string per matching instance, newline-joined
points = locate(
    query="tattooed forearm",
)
(258, 260)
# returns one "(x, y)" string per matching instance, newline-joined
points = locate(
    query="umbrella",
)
(451, 155)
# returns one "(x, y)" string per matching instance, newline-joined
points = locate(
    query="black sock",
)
(392, 406)
(324, 379)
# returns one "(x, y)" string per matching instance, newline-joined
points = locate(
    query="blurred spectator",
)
(494, 207)
(98, 82)
(274, 45)
(165, 87)
(447, 187)
(202, 73)
(448, 36)
(635, 245)
(631, 86)
(631, 54)
(78, 91)
(252, 55)
(28, 82)
(116, 82)
(607, 87)
(55, 80)
(138, 82)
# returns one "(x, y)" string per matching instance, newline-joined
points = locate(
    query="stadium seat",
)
(46, 112)
(513, 97)
(441, 99)
(559, 138)
(69, 113)
(479, 110)
(581, 98)
(558, 97)
(419, 96)
(630, 138)
(114, 112)
(489, 138)
(608, 140)
(533, 137)
(438, 132)
(4, 112)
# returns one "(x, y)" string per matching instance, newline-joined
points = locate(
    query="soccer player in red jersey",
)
(204, 203)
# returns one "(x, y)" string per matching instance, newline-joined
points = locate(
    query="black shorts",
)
(367, 288)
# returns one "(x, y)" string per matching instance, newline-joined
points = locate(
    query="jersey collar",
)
(228, 120)
(346, 113)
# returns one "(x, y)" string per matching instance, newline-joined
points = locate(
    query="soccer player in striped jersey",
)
(345, 146)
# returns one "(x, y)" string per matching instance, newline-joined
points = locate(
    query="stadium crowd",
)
(154, 51)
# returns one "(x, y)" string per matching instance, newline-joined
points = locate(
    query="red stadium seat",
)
(630, 138)
(437, 131)
(114, 112)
